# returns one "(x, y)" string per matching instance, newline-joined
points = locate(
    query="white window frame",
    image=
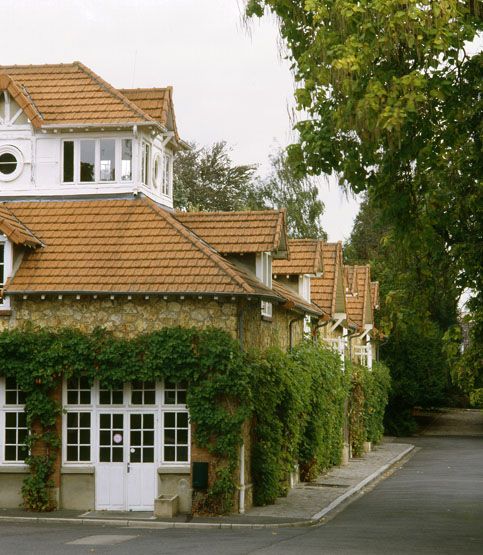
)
(9, 120)
(167, 174)
(264, 274)
(17, 154)
(4, 409)
(159, 408)
(97, 169)
(7, 264)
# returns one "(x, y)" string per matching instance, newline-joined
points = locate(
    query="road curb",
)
(315, 519)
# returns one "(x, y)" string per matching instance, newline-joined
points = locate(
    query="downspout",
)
(241, 340)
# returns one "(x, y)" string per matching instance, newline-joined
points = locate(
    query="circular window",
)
(11, 163)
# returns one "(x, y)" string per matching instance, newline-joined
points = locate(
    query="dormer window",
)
(96, 160)
(146, 164)
(264, 274)
(167, 174)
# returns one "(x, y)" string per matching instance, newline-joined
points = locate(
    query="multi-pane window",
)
(111, 437)
(78, 391)
(141, 438)
(97, 160)
(78, 442)
(111, 396)
(175, 436)
(264, 274)
(146, 161)
(174, 393)
(15, 431)
(166, 177)
(143, 393)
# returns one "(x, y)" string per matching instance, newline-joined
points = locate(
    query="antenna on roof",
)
(134, 68)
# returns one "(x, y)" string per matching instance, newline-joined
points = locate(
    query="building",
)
(88, 237)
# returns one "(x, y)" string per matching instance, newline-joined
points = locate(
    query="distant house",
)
(88, 237)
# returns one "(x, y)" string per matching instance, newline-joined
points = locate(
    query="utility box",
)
(200, 476)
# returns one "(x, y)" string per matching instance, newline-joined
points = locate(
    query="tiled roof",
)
(295, 300)
(324, 289)
(358, 299)
(239, 232)
(20, 96)
(305, 258)
(156, 102)
(72, 94)
(15, 231)
(120, 246)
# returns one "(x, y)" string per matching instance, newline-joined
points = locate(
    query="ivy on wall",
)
(296, 401)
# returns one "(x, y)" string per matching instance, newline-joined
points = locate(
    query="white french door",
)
(126, 470)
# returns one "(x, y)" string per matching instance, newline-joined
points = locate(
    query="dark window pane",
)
(117, 397)
(104, 397)
(181, 397)
(72, 383)
(72, 453)
(105, 454)
(22, 419)
(149, 385)
(71, 436)
(85, 437)
(117, 421)
(182, 453)
(126, 167)
(84, 420)
(135, 438)
(169, 437)
(10, 397)
(10, 453)
(21, 398)
(170, 397)
(88, 160)
(72, 398)
(105, 437)
(137, 398)
(84, 383)
(169, 385)
(11, 436)
(136, 421)
(85, 453)
(22, 435)
(105, 420)
(8, 163)
(10, 383)
(137, 385)
(148, 438)
(169, 420)
(148, 455)
(182, 437)
(72, 419)
(182, 419)
(11, 420)
(68, 162)
(149, 397)
(169, 453)
(117, 454)
(149, 421)
(135, 456)
(85, 397)
(22, 453)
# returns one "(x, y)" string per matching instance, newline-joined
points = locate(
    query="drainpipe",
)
(241, 501)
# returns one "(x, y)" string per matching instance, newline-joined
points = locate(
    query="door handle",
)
(128, 467)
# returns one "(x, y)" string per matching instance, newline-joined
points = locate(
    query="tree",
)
(205, 178)
(299, 195)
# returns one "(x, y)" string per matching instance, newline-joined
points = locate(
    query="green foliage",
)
(206, 179)
(357, 428)
(299, 402)
(210, 361)
(377, 385)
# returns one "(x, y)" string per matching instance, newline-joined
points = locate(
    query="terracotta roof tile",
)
(305, 258)
(73, 94)
(239, 232)
(15, 231)
(295, 300)
(324, 289)
(128, 246)
(358, 297)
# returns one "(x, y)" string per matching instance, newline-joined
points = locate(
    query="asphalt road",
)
(432, 504)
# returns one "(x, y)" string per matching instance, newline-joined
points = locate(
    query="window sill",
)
(78, 470)
(267, 318)
(14, 469)
(174, 470)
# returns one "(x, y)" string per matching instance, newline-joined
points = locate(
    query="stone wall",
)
(123, 317)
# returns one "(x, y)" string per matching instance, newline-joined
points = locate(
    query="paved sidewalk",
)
(305, 505)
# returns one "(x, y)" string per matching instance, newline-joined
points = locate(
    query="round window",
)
(11, 163)
(8, 163)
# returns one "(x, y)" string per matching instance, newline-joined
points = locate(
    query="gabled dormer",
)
(65, 132)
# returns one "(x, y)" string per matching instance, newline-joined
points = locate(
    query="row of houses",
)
(89, 237)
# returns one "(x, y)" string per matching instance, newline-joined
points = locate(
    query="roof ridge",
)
(144, 89)
(201, 245)
(115, 92)
(231, 212)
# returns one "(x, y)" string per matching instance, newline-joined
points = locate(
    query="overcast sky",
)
(229, 83)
